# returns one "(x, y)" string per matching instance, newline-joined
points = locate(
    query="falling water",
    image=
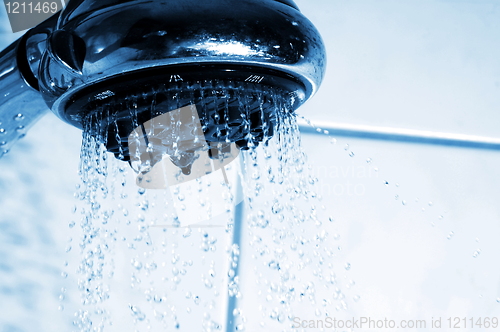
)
(292, 255)
(246, 266)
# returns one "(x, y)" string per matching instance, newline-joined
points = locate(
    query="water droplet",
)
(19, 117)
(450, 235)
(208, 283)
(351, 154)
(476, 253)
(386, 183)
(277, 208)
(430, 204)
(3, 131)
(144, 205)
(403, 202)
(369, 160)
(137, 313)
(137, 264)
(348, 266)
(187, 232)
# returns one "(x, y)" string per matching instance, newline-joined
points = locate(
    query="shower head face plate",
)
(227, 112)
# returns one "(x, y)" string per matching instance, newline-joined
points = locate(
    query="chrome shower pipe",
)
(405, 135)
(21, 104)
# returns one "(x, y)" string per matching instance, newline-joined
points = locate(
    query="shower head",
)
(123, 63)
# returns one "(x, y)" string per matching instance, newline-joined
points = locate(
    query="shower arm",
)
(21, 104)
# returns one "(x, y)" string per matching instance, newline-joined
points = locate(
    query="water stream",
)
(243, 250)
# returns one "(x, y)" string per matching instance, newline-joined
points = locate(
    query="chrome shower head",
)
(230, 59)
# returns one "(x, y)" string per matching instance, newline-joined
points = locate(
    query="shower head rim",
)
(70, 106)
